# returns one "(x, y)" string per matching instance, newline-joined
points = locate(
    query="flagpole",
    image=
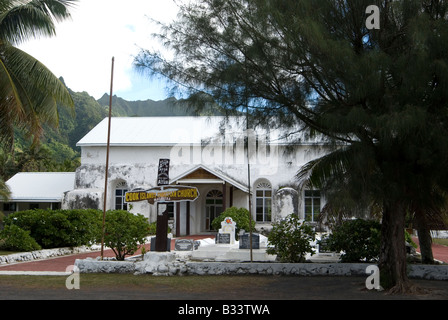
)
(107, 157)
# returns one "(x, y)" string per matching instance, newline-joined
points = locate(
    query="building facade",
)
(230, 166)
(37, 190)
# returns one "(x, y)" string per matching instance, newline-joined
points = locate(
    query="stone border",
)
(166, 264)
(43, 254)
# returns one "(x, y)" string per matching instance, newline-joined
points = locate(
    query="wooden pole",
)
(248, 181)
(107, 158)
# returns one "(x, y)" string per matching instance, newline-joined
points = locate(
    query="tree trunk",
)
(424, 238)
(392, 264)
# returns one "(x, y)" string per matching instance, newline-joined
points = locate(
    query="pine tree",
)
(380, 93)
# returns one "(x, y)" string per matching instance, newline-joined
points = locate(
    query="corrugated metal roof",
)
(153, 131)
(169, 131)
(40, 186)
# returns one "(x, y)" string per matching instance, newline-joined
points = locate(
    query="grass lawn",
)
(443, 242)
(96, 281)
(5, 253)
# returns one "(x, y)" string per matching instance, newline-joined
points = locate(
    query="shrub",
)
(58, 228)
(13, 238)
(358, 239)
(153, 228)
(290, 239)
(124, 232)
(84, 226)
(239, 215)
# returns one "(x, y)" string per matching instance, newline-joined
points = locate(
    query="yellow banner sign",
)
(163, 193)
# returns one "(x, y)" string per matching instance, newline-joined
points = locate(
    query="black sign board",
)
(245, 241)
(222, 238)
(163, 248)
(323, 246)
(163, 177)
(183, 245)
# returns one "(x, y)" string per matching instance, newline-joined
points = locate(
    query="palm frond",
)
(5, 193)
(30, 92)
(319, 172)
(24, 20)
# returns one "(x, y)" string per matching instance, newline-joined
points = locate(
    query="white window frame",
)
(263, 200)
(213, 207)
(123, 188)
(315, 198)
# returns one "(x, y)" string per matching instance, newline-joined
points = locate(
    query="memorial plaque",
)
(223, 238)
(323, 246)
(183, 245)
(245, 241)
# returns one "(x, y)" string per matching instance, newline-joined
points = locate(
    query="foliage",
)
(290, 239)
(408, 239)
(29, 92)
(13, 238)
(380, 94)
(153, 228)
(124, 232)
(358, 239)
(58, 228)
(239, 215)
(5, 193)
(57, 150)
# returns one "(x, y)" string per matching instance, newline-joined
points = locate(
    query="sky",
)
(82, 50)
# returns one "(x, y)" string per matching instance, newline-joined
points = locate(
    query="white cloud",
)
(84, 46)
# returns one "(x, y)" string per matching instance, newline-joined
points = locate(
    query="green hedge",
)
(58, 228)
(239, 215)
(13, 238)
(35, 229)
(358, 239)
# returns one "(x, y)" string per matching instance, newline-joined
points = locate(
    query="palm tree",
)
(29, 92)
(348, 177)
(4, 191)
(4, 196)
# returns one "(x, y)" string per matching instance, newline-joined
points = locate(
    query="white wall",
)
(138, 165)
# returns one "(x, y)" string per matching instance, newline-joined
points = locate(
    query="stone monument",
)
(226, 235)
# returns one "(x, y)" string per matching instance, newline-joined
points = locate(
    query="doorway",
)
(213, 208)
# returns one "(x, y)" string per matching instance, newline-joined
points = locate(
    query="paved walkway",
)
(60, 264)
(439, 252)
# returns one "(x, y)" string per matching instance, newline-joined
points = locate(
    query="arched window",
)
(213, 207)
(263, 200)
(120, 192)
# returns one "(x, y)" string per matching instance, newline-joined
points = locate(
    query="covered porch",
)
(217, 192)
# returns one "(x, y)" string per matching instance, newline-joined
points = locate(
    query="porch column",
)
(178, 219)
(188, 218)
(224, 196)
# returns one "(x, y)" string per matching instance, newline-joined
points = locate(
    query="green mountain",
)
(58, 151)
(147, 108)
(89, 112)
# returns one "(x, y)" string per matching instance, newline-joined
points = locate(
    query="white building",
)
(37, 190)
(205, 152)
